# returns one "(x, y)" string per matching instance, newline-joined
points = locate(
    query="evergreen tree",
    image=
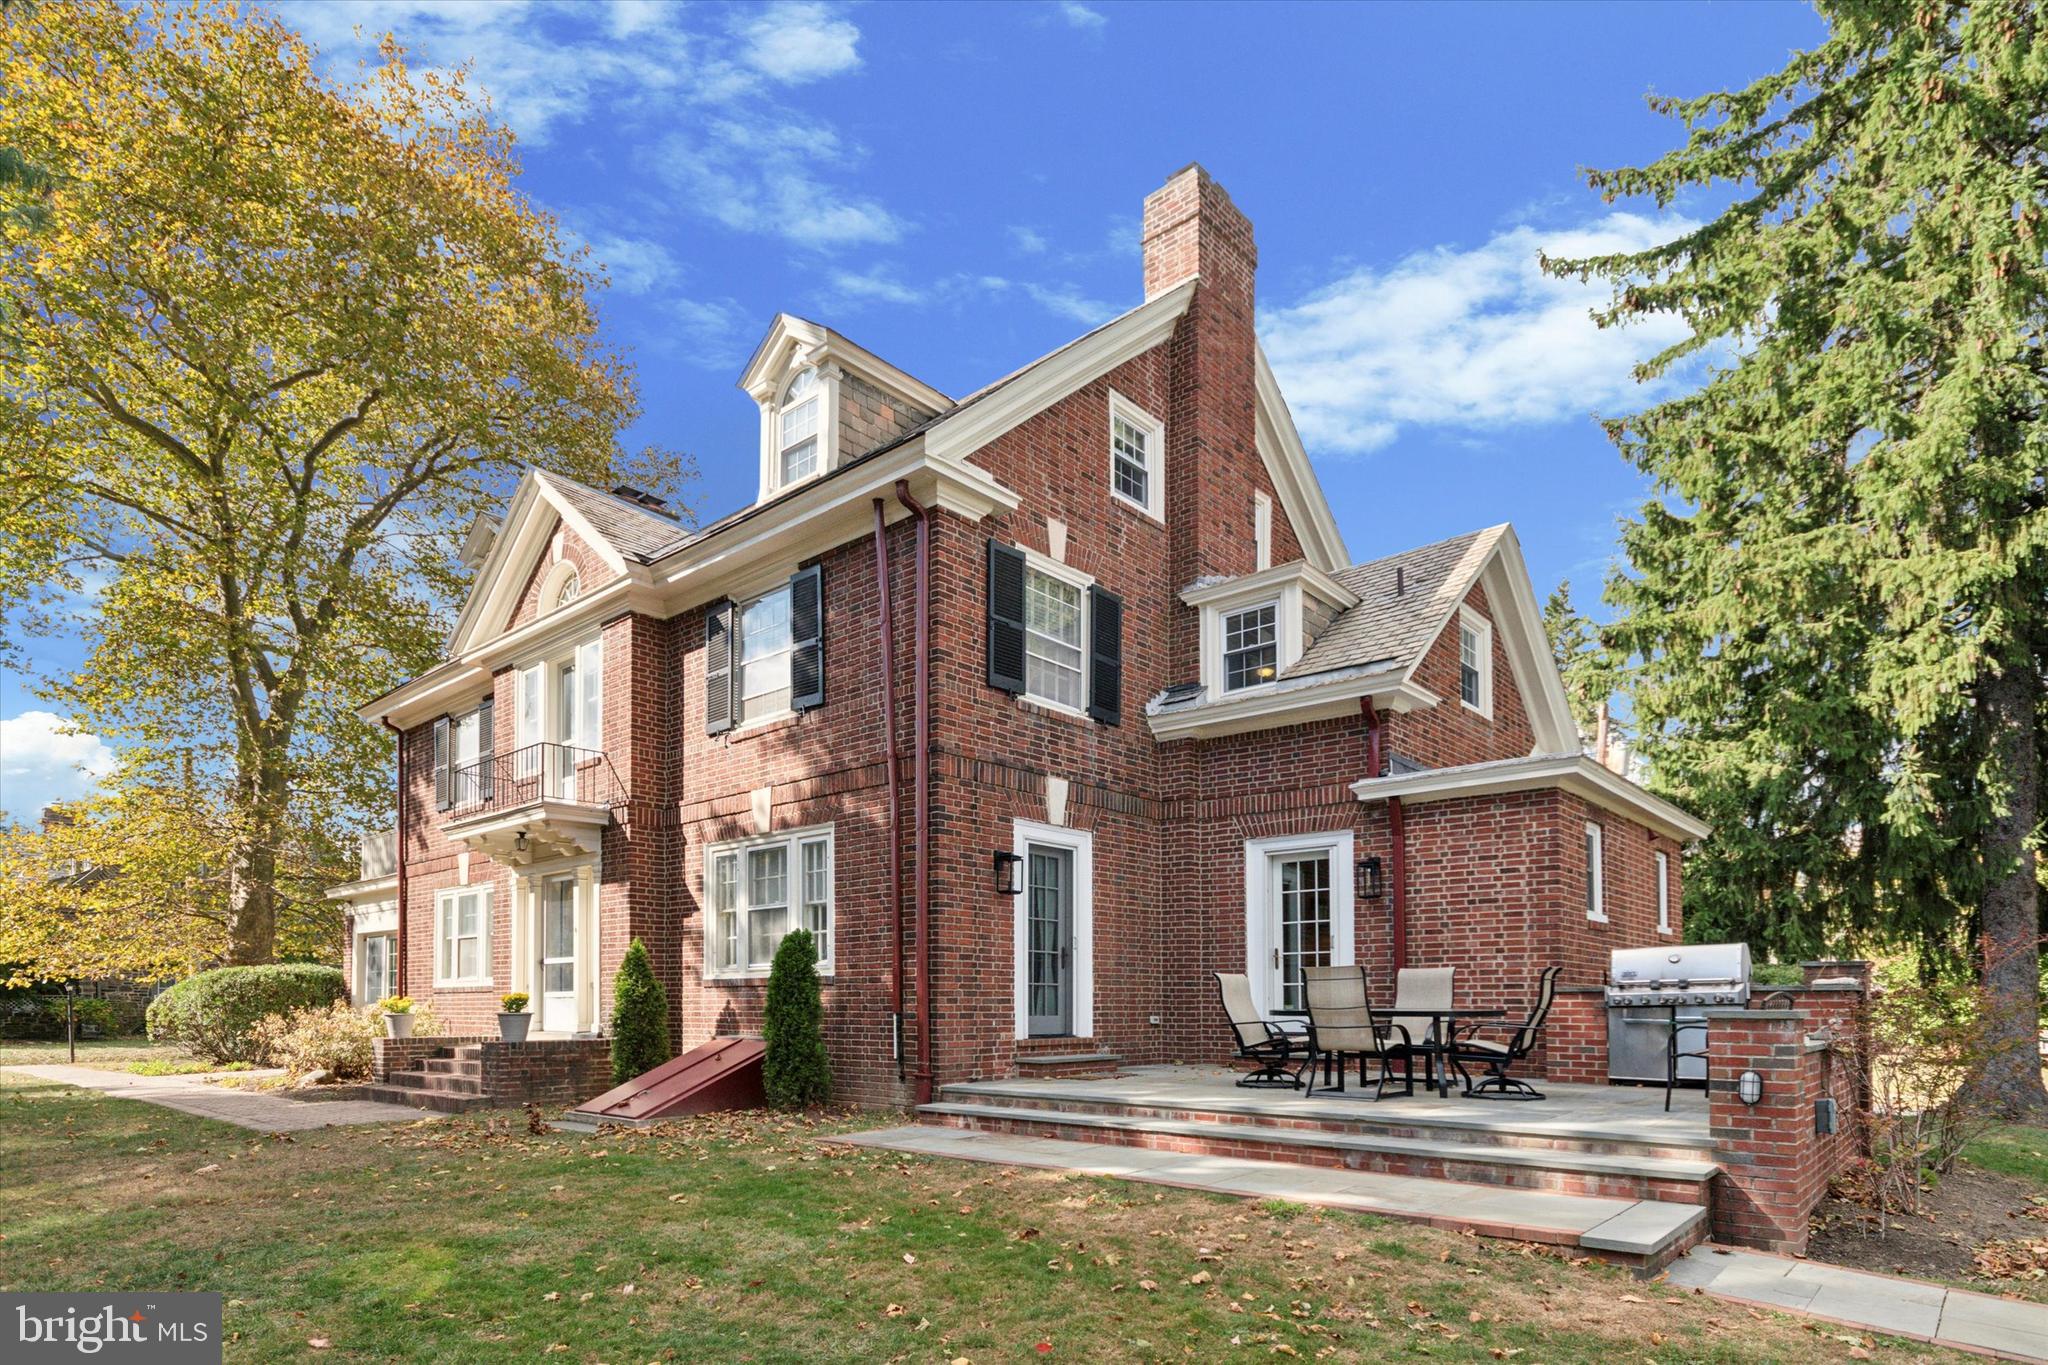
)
(1589, 674)
(639, 1017)
(1836, 605)
(796, 1071)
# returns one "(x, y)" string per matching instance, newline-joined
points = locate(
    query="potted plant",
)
(397, 1015)
(513, 1021)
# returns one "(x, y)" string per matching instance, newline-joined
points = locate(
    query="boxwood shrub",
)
(213, 1013)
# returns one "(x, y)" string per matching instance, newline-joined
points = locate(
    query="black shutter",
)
(718, 669)
(1005, 617)
(807, 634)
(486, 747)
(1106, 656)
(443, 788)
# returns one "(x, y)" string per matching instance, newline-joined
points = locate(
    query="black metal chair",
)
(1498, 1057)
(1341, 1023)
(1257, 1040)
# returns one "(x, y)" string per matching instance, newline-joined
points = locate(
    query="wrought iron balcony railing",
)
(534, 772)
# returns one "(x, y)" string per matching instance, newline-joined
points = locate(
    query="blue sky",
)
(957, 187)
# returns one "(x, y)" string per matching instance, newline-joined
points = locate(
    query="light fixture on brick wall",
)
(1749, 1087)
(1370, 884)
(1009, 873)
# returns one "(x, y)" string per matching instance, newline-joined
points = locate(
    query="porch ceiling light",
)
(1009, 873)
(519, 844)
(1749, 1087)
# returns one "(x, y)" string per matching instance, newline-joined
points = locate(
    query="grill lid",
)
(1673, 965)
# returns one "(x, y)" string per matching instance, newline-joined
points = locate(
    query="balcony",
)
(535, 803)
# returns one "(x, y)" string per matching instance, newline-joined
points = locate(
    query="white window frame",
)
(1262, 532)
(1154, 431)
(1223, 651)
(364, 994)
(1482, 631)
(1663, 891)
(792, 842)
(827, 394)
(783, 445)
(1049, 567)
(1596, 872)
(444, 977)
(562, 585)
(1340, 844)
(1286, 586)
(743, 720)
(1081, 843)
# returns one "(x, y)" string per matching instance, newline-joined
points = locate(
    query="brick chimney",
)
(1213, 470)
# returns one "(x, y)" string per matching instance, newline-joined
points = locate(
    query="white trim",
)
(1296, 572)
(359, 977)
(1662, 861)
(1482, 630)
(787, 331)
(443, 980)
(1596, 871)
(362, 890)
(1262, 531)
(1575, 773)
(1258, 919)
(551, 584)
(794, 840)
(1290, 701)
(1154, 432)
(1022, 834)
(1294, 478)
(1035, 562)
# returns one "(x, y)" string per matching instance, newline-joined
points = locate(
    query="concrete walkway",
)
(1877, 1303)
(254, 1109)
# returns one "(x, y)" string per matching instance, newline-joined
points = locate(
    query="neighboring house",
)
(1161, 700)
(370, 910)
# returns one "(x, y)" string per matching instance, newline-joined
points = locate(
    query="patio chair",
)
(1341, 1023)
(1497, 1057)
(1421, 988)
(1257, 1040)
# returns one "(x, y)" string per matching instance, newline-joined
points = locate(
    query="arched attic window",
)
(796, 436)
(563, 585)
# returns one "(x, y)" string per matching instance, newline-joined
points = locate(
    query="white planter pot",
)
(398, 1025)
(512, 1027)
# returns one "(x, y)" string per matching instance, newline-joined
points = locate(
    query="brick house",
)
(1091, 632)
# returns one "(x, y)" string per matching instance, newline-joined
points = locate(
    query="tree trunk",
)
(2010, 920)
(252, 870)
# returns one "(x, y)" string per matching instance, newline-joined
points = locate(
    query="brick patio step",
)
(1069, 1065)
(453, 1066)
(1353, 1146)
(440, 1102)
(437, 1083)
(1645, 1235)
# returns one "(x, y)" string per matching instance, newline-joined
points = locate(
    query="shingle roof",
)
(1385, 627)
(634, 531)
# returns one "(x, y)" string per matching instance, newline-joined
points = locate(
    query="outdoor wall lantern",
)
(1749, 1087)
(519, 844)
(1009, 873)
(1370, 883)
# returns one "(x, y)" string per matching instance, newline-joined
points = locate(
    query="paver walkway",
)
(1879, 1303)
(265, 1113)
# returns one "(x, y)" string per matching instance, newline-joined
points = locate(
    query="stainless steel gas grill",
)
(1655, 1029)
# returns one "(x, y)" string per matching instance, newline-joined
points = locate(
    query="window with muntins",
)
(1052, 640)
(1132, 468)
(765, 641)
(462, 955)
(1475, 663)
(762, 888)
(797, 434)
(1250, 646)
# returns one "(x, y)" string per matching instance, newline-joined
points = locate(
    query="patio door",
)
(1303, 923)
(1049, 939)
(558, 956)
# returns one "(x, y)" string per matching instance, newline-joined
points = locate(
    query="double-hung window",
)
(797, 428)
(1052, 640)
(760, 889)
(1137, 448)
(462, 955)
(1475, 662)
(765, 641)
(1251, 646)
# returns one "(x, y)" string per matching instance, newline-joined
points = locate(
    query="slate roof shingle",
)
(1386, 628)
(636, 532)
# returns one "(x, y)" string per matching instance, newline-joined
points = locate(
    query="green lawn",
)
(741, 1238)
(2013, 1149)
(114, 1054)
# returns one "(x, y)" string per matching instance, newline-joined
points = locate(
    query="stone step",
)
(1069, 1065)
(1603, 1175)
(438, 1084)
(452, 1066)
(438, 1101)
(1486, 1124)
(1645, 1235)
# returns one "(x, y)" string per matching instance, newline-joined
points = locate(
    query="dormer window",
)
(797, 427)
(1251, 653)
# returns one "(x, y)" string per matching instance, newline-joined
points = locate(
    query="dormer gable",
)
(826, 401)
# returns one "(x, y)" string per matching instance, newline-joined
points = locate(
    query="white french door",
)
(1298, 914)
(558, 956)
(1303, 931)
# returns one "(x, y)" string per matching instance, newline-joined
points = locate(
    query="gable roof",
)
(636, 532)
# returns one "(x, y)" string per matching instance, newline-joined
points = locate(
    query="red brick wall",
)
(1452, 733)
(1774, 1170)
(591, 571)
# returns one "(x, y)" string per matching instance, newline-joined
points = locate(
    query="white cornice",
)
(1574, 773)
(1312, 579)
(1291, 702)
(1294, 477)
(363, 890)
(821, 344)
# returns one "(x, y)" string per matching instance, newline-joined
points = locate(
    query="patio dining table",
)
(1443, 1033)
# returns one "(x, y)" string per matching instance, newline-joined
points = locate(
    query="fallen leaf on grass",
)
(1148, 1285)
(318, 1343)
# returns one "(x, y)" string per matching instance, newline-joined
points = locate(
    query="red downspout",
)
(895, 771)
(923, 776)
(1397, 830)
(398, 851)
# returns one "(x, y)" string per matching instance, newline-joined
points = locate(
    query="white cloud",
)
(39, 763)
(767, 174)
(795, 43)
(636, 265)
(877, 284)
(1081, 16)
(1030, 241)
(880, 284)
(1474, 339)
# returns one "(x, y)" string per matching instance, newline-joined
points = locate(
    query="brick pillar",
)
(1833, 969)
(1575, 1036)
(1773, 1170)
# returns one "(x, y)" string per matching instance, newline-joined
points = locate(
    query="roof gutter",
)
(398, 853)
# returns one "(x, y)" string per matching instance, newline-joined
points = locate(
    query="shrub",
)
(796, 1071)
(213, 1012)
(639, 1017)
(42, 1016)
(334, 1038)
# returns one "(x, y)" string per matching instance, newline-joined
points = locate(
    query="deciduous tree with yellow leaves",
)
(271, 342)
